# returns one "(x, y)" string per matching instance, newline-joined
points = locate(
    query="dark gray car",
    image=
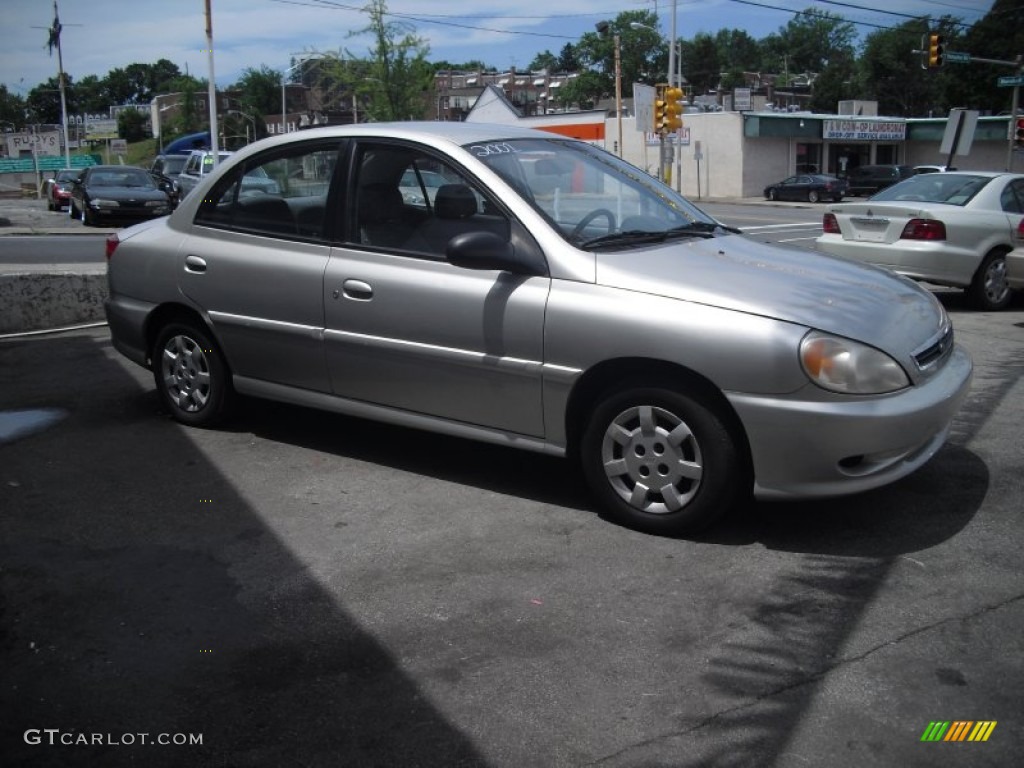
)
(868, 179)
(548, 297)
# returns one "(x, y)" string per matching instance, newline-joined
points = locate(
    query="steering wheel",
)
(594, 214)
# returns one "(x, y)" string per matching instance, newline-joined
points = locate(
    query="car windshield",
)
(949, 188)
(66, 175)
(173, 165)
(594, 199)
(121, 178)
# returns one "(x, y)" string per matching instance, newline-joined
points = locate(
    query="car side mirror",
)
(486, 250)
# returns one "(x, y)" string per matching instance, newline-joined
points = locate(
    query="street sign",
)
(957, 57)
(1010, 81)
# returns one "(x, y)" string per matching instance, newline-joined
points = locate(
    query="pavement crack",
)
(807, 679)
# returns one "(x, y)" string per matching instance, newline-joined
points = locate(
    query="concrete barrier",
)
(38, 298)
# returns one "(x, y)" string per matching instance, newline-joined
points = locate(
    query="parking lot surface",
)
(305, 589)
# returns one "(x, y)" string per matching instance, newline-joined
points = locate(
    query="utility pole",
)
(54, 42)
(212, 88)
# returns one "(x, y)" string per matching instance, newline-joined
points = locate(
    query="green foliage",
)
(131, 125)
(12, 109)
(400, 75)
(544, 61)
(700, 62)
(998, 35)
(43, 101)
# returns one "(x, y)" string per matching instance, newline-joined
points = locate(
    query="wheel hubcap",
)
(995, 281)
(186, 373)
(652, 459)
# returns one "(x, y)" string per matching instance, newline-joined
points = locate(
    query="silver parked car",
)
(952, 228)
(548, 297)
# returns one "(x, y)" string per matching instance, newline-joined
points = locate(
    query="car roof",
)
(456, 133)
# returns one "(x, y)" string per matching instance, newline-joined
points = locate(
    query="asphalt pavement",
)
(303, 589)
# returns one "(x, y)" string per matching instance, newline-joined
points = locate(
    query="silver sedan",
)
(548, 297)
(950, 229)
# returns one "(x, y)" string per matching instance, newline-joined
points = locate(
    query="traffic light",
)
(667, 108)
(1018, 133)
(936, 49)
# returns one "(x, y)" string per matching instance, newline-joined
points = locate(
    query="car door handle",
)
(195, 264)
(357, 289)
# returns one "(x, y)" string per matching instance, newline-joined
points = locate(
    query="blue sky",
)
(100, 35)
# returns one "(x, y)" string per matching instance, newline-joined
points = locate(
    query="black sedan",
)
(809, 187)
(117, 193)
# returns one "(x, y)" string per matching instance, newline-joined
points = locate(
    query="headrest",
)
(454, 201)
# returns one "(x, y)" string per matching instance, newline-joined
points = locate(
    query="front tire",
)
(812, 196)
(773, 195)
(191, 376)
(661, 461)
(989, 290)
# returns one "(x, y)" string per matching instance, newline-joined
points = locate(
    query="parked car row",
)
(862, 180)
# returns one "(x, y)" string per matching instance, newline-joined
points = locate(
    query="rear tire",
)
(661, 461)
(812, 196)
(191, 376)
(989, 290)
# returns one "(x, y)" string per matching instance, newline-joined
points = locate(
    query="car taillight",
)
(924, 229)
(112, 243)
(1020, 230)
(830, 224)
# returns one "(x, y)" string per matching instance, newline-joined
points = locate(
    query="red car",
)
(58, 191)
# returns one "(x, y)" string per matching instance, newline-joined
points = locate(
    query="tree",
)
(90, 95)
(43, 101)
(836, 82)
(808, 41)
(700, 63)
(260, 92)
(892, 75)
(544, 61)
(998, 35)
(189, 119)
(400, 75)
(131, 125)
(737, 51)
(568, 61)
(12, 109)
(641, 54)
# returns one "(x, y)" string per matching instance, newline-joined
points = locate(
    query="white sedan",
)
(1015, 264)
(944, 228)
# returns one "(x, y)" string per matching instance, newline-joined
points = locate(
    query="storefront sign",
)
(864, 130)
(23, 144)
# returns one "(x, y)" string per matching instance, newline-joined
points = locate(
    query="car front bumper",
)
(806, 447)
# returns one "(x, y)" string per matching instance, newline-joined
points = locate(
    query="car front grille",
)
(934, 353)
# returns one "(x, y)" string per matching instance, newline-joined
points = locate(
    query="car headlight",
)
(99, 202)
(849, 367)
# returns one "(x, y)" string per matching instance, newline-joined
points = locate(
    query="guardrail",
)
(45, 163)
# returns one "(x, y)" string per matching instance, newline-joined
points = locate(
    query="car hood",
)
(828, 293)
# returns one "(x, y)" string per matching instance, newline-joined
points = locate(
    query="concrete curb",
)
(52, 297)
